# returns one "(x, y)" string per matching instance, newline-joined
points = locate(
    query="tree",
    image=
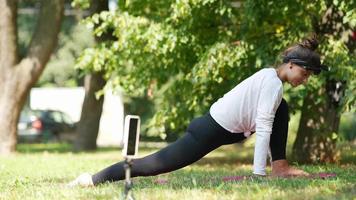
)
(199, 49)
(328, 95)
(321, 110)
(18, 75)
(159, 48)
(72, 40)
(88, 126)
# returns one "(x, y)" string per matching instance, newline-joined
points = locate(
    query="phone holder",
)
(131, 140)
(128, 183)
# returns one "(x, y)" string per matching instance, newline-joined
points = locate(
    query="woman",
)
(253, 106)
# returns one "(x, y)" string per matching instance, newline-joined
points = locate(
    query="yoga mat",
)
(320, 175)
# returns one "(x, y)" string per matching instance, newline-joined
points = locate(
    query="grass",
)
(41, 171)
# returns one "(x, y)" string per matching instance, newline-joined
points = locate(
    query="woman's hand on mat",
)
(281, 168)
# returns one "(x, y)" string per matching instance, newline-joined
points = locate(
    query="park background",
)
(168, 61)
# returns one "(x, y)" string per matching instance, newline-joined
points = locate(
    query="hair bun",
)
(311, 42)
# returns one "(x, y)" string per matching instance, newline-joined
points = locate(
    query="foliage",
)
(348, 126)
(191, 52)
(83, 4)
(73, 38)
(164, 53)
(287, 21)
(26, 24)
(60, 71)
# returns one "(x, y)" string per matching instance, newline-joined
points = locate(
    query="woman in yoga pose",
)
(253, 106)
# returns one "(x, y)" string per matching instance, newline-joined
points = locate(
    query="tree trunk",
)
(10, 107)
(316, 141)
(88, 126)
(17, 78)
(319, 123)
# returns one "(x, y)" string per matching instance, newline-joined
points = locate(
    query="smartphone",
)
(131, 135)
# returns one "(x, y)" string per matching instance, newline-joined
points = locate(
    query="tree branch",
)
(44, 38)
(8, 35)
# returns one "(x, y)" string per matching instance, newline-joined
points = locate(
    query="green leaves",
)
(83, 4)
(188, 53)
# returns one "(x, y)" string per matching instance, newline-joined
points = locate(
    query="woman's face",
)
(297, 75)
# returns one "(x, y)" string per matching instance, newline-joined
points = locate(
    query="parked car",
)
(45, 126)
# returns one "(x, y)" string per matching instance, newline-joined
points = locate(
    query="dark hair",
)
(304, 55)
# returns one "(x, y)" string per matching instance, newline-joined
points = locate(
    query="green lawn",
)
(41, 171)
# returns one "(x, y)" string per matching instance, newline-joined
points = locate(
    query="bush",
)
(347, 129)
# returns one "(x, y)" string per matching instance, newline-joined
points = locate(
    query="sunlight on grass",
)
(41, 171)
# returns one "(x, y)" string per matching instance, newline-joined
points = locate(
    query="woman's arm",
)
(269, 99)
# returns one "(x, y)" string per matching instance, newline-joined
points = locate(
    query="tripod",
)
(128, 183)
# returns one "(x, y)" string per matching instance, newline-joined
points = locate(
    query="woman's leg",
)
(181, 153)
(278, 141)
(203, 136)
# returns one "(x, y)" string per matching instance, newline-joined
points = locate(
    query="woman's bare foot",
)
(84, 180)
(280, 168)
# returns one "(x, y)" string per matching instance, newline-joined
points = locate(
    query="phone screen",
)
(131, 145)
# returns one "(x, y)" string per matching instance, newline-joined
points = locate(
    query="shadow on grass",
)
(232, 154)
(347, 150)
(183, 179)
(228, 160)
(56, 148)
(47, 147)
(67, 148)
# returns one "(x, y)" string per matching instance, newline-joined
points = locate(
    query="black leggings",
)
(203, 135)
